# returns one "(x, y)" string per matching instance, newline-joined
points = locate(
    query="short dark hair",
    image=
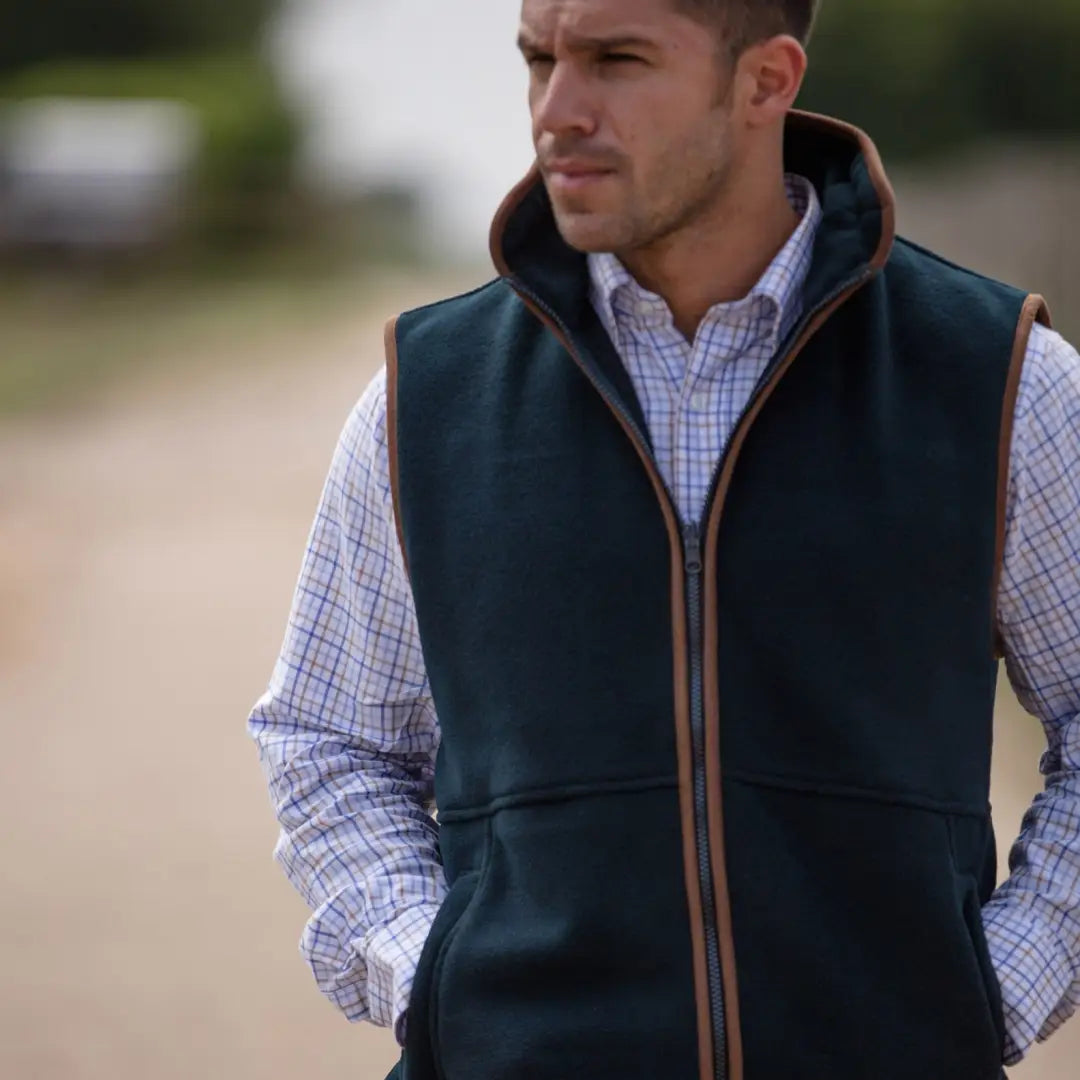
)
(748, 22)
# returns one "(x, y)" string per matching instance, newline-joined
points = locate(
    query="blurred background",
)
(207, 211)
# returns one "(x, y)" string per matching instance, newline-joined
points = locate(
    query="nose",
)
(562, 104)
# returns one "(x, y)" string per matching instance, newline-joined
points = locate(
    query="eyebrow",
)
(583, 44)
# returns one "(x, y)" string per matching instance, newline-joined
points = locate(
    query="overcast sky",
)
(432, 89)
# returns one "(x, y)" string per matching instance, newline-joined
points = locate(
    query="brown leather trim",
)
(684, 740)
(390, 338)
(504, 214)
(713, 775)
(1034, 310)
(683, 736)
(869, 150)
(875, 168)
(715, 799)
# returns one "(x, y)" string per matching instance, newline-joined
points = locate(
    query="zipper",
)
(792, 343)
(693, 581)
(692, 584)
(695, 612)
(693, 544)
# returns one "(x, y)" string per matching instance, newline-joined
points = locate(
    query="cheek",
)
(650, 146)
(643, 123)
(673, 137)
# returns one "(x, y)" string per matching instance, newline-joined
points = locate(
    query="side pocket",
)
(420, 1058)
(476, 890)
(973, 918)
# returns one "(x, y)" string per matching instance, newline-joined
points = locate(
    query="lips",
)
(575, 167)
(573, 176)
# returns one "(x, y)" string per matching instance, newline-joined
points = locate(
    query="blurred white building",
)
(428, 91)
(422, 95)
(81, 173)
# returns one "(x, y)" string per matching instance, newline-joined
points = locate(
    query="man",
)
(675, 563)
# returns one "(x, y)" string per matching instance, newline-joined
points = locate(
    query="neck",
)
(721, 257)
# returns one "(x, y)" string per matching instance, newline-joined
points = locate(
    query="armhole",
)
(1034, 310)
(390, 338)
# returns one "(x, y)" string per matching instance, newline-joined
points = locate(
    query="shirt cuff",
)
(392, 953)
(1034, 974)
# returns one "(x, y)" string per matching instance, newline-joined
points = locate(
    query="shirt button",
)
(699, 400)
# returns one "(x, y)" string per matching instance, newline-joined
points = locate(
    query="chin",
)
(591, 234)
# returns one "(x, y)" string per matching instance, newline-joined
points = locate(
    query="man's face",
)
(630, 119)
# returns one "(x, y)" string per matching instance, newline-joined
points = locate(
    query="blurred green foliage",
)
(68, 29)
(205, 53)
(249, 136)
(931, 76)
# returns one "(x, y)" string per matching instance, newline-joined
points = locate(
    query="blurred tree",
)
(106, 29)
(1026, 64)
(249, 136)
(927, 76)
(204, 53)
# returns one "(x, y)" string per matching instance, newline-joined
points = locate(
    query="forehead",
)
(549, 19)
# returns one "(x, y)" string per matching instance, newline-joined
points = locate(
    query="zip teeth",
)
(694, 566)
(693, 562)
(692, 545)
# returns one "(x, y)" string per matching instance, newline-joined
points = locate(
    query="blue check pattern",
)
(347, 731)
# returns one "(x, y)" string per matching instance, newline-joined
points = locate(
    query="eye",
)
(620, 58)
(539, 60)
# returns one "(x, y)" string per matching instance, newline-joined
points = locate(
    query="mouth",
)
(570, 177)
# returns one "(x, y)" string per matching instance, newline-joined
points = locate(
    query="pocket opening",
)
(972, 910)
(420, 1059)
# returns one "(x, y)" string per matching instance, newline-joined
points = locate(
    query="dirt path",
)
(147, 554)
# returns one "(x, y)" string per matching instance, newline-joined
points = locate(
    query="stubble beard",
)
(658, 211)
(691, 203)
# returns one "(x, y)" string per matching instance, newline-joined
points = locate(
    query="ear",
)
(769, 76)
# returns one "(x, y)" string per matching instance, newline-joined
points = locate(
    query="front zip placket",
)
(692, 585)
(695, 637)
(694, 540)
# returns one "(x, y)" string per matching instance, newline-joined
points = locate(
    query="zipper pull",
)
(692, 548)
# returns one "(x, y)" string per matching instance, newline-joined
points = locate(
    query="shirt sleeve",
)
(347, 736)
(1033, 921)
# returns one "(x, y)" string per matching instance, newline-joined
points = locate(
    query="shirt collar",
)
(618, 297)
